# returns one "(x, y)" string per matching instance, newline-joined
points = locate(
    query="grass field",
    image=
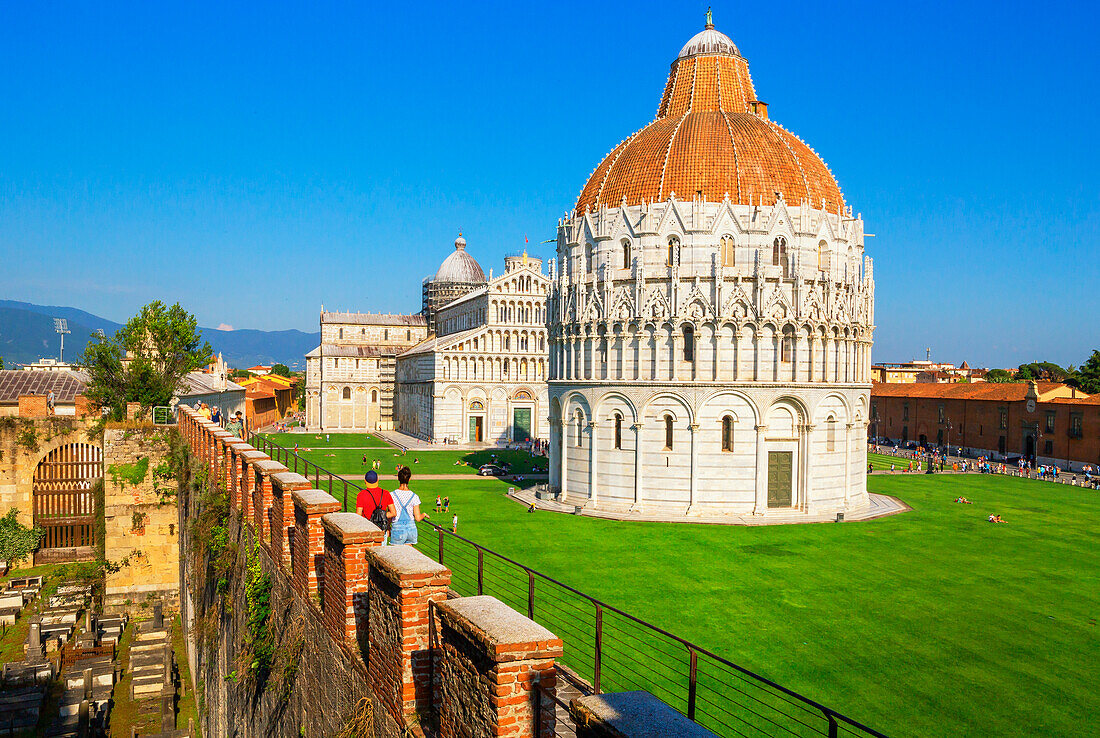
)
(335, 440)
(933, 622)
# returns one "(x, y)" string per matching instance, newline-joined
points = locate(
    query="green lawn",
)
(335, 440)
(933, 622)
(882, 462)
(347, 462)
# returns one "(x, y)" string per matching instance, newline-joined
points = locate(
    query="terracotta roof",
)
(709, 136)
(994, 391)
(65, 385)
(1091, 400)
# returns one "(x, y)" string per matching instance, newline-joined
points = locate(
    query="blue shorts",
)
(402, 534)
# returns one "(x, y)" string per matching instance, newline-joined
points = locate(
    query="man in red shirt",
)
(372, 497)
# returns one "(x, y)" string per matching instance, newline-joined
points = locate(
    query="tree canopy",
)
(145, 360)
(281, 369)
(998, 376)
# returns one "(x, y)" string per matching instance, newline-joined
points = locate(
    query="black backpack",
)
(378, 515)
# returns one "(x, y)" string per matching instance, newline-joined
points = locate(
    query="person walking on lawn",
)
(408, 510)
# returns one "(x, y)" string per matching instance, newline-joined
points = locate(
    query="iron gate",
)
(64, 506)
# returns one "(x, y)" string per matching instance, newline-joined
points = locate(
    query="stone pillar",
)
(848, 463)
(736, 355)
(630, 715)
(639, 492)
(756, 354)
(593, 431)
(281, 519)
(674, 357)
(307, 554)
(563, 461)
(805, 472)
(761, 470)
(638, 338)
(403, 584)
(348, 537)
(492, 662)
(260, 472)
(693, 495)
(715, 374)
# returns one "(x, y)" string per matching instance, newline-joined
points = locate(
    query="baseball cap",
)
(371, 476)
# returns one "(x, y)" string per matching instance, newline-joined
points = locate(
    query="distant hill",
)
(27, 334)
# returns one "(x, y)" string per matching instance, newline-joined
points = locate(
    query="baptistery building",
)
(711, 314)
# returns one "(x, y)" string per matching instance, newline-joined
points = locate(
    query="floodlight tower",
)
(60, 325)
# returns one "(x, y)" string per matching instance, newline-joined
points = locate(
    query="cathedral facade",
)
(482, 377)
(711, 315)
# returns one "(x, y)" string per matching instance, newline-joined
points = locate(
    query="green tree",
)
(281, 369)
(17, 541)
(998, 376)
(145, 360)
(1, 362)
(1088, 376)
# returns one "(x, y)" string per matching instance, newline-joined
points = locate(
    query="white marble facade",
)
(482, 378)
(711, 358)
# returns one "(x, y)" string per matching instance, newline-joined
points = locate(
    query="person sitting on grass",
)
(995, 519)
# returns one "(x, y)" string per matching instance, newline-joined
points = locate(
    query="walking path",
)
(879, 506)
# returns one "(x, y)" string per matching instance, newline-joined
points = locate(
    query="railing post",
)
(346, 496)
(599, 649)
(692, 680)
(480, 570)
(832, 725)
(530, 595)
(440, 531)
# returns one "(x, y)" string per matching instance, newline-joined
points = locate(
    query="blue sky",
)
(255, 160)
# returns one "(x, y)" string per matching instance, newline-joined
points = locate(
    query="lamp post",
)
(61, 326)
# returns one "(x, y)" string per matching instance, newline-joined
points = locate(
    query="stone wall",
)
(347, 633)
(140, 518)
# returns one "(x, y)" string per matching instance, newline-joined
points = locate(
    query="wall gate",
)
(64, 506)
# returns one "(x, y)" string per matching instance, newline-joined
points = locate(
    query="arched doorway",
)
(1029, 448)
(64, 506)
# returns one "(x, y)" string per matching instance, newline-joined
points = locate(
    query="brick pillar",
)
(348, 537)
(233, 447)
(248, 479)
(490, 664)
(308, 553)
(261, 472)
(630, 715)
(83, 406)
(403, 582)
(282, 513)
(222, 457)
(32, 406)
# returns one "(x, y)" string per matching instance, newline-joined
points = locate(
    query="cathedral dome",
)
(711, 136)
(460, 267)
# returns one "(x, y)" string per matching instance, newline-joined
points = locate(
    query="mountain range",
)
(27, 334)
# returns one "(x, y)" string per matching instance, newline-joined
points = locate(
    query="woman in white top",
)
(408, 510)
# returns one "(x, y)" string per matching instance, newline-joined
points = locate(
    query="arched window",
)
(689, 343)
(588, 258)
(779, 255)
(668, 433)
(830, 434)
(341, 332)
(626, 254)
(579, 427)
(786, 349)
(673, 250)
(408, 335)
(618, 430)
(347, 393)
(385, 334)
(822, 256)
(729, 251)
(727, 433)
(374, 395)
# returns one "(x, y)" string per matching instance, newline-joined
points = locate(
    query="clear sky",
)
(255, 160)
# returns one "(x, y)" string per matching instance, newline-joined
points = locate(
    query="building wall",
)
(697, 311)
(981, 425)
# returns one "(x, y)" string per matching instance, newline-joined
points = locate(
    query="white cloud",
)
(224, 327)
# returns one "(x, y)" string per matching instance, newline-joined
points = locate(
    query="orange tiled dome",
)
(711, 135)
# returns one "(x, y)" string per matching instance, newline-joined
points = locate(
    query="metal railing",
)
(611, 650)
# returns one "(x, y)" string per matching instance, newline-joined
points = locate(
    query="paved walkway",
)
(880, 506)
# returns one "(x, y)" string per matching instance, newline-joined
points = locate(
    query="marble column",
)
(592, 477)
(693, 495)
(564, 458)
(761, 471)
(736, 356)
(638, 491)
(848, 463)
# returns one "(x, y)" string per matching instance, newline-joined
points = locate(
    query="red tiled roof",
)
(994, 391)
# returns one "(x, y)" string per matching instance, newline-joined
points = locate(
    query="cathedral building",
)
(458, 274)
(481, 378)
(349, 377)
(711, 314)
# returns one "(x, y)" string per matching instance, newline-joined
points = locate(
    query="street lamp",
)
(61, 326)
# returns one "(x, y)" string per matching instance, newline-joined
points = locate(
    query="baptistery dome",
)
(460, 267)
(711, 136)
